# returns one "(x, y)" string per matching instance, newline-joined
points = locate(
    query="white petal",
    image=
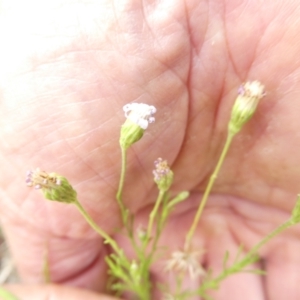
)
(143, 123)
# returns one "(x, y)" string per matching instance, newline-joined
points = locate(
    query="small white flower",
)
(140, 114)
(253, 88)
(249, 95)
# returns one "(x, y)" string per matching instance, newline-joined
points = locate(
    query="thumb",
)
(53, 292)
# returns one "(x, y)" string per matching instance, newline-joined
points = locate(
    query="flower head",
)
(40, 179)
(163, 176)
(138, 116)
(53, 186)
(245, 104)
(186, 262)
(139, 113)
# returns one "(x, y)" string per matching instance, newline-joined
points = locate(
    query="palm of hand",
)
(64, 115)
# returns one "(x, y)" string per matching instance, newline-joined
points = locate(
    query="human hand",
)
(66, 71)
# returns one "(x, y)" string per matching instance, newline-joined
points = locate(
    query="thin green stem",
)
(146, 260)
(212, 179)
(124, 212)
(179, 281)
(266, 239)
(101, 232)
(153, 213)
(46, 267)
(159, 226)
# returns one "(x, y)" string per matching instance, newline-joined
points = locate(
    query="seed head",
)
(54, 187)
(186, 262)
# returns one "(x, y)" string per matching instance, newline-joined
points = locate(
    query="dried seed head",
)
(163, 175)
(53, 186)
(138, 117)
(245, 104)
(186, 262)
(40, 179)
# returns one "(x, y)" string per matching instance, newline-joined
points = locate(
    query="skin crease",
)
(68, 67)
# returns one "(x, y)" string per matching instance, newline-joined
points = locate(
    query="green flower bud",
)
(130, 134)
(296, 212)
(245, 105)
(141, 234)
(138, 115)
(54, 187)
(135, 272)
(163, 176)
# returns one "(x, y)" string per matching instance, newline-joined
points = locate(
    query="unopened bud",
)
(245, 105)
(142, 234)
(163, 176)
(135, 272)
(54, 187)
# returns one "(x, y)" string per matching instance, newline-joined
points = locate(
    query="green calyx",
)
(164, 182)
(130, 134)
(62, 192)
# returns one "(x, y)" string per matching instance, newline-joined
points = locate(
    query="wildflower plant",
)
(132, 276)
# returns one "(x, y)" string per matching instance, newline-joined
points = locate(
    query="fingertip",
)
(53, 292)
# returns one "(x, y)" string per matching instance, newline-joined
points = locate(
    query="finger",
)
(246, 286)
(53, 292)
(73, 261)
(282, 266)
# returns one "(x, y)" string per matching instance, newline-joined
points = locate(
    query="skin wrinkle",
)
(250, 229)
(244, 211)
(219, 107)
(188, 31)
(231, 55)
(98, 258)
(144, 17)
(211, 144)
(194, 44)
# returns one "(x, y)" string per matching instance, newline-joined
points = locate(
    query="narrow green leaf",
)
(179, 198)
(240, 250)
(225, 260)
